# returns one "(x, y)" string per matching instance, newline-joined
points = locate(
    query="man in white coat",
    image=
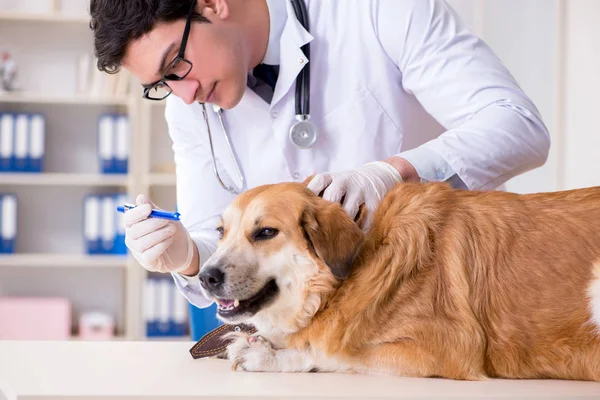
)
(400, 90)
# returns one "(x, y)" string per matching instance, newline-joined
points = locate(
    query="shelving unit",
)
(50, 257)
(62, 179)
(36, 98)
(55, 17)
(62, 260)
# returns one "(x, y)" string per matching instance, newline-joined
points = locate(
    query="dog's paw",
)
(254, 353)
(239, 341)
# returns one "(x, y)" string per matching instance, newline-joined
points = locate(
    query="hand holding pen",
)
(155, 213)
(156, 238)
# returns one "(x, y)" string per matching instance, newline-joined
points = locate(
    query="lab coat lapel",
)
(293, 37)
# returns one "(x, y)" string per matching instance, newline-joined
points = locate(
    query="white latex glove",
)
(157, 244)
(366, 185)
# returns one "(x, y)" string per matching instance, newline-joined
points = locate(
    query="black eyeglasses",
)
(177, 69)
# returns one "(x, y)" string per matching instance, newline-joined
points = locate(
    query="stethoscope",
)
(302, 132)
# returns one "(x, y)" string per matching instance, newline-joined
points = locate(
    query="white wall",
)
(551, 48)
(582, 95)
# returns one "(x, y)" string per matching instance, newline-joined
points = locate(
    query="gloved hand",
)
(367, 185)
(157, 244)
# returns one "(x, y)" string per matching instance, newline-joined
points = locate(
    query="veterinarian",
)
(364, 93)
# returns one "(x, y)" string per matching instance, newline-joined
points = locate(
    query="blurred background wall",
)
(58, 264)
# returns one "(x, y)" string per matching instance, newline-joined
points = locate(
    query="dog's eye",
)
(265, 233)
(221, 232)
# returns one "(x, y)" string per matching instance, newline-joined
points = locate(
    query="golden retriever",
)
(448, 283)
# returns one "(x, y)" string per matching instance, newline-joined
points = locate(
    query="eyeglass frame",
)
(179, 57)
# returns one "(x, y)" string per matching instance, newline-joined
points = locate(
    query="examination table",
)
(158, 370)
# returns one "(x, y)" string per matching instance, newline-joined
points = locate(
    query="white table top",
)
(165, 370)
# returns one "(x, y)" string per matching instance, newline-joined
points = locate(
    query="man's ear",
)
(211, 8)
(332, 235)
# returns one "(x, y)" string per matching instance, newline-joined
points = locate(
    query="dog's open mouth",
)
(231, 307)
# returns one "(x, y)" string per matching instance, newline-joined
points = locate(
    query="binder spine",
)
(164, 308)
(121, 144)
(108, 231)
(91, 220)
(37, 129)
(7, 137)
(150, 306)
(180, 316)
(21, 142)
(119, 245)
(106, 144)
(8, 223)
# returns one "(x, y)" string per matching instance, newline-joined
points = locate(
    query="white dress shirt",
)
(388, 77)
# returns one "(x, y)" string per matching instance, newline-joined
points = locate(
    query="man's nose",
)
(212, 278)
(185, 89)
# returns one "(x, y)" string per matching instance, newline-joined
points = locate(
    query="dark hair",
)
(116, 23)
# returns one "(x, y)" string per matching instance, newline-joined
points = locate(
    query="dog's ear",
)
(360, 216)
(332, 235)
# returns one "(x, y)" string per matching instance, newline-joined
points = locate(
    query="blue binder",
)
(113, 143)
(91, 224)
(37, 137)
(103, 228)
(21, 132)
(22, 138)
(7, 137)
(165, 309)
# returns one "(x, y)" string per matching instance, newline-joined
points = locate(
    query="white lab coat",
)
(388, 77)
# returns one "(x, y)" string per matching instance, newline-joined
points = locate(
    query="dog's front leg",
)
(255, 353)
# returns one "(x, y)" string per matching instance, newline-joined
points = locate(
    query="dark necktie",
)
(267, 73)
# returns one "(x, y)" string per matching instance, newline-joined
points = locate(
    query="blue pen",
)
(173, 216)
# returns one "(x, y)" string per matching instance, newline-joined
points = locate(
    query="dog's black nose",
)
(211, 278)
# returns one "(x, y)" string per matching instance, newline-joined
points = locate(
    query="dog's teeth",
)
(236, 303)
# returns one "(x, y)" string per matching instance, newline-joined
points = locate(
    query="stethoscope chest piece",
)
(303, 133)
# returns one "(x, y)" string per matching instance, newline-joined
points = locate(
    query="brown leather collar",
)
(214, 345)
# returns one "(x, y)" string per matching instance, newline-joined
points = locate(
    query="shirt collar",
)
(277, 20)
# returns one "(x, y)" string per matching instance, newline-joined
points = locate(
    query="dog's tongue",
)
(226, 303)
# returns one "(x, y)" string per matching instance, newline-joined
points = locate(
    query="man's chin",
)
(229, 102)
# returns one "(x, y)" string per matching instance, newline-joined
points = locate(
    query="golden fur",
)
(447, 283)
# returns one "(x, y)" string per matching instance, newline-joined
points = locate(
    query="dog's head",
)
(282, 250)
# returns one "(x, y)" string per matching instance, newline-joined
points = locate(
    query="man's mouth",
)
(210, 97)
(231, 307)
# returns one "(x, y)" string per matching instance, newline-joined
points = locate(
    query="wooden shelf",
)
(76, 99)
(18, 16)
(62, 179)
(62, 260)
(161, 179)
